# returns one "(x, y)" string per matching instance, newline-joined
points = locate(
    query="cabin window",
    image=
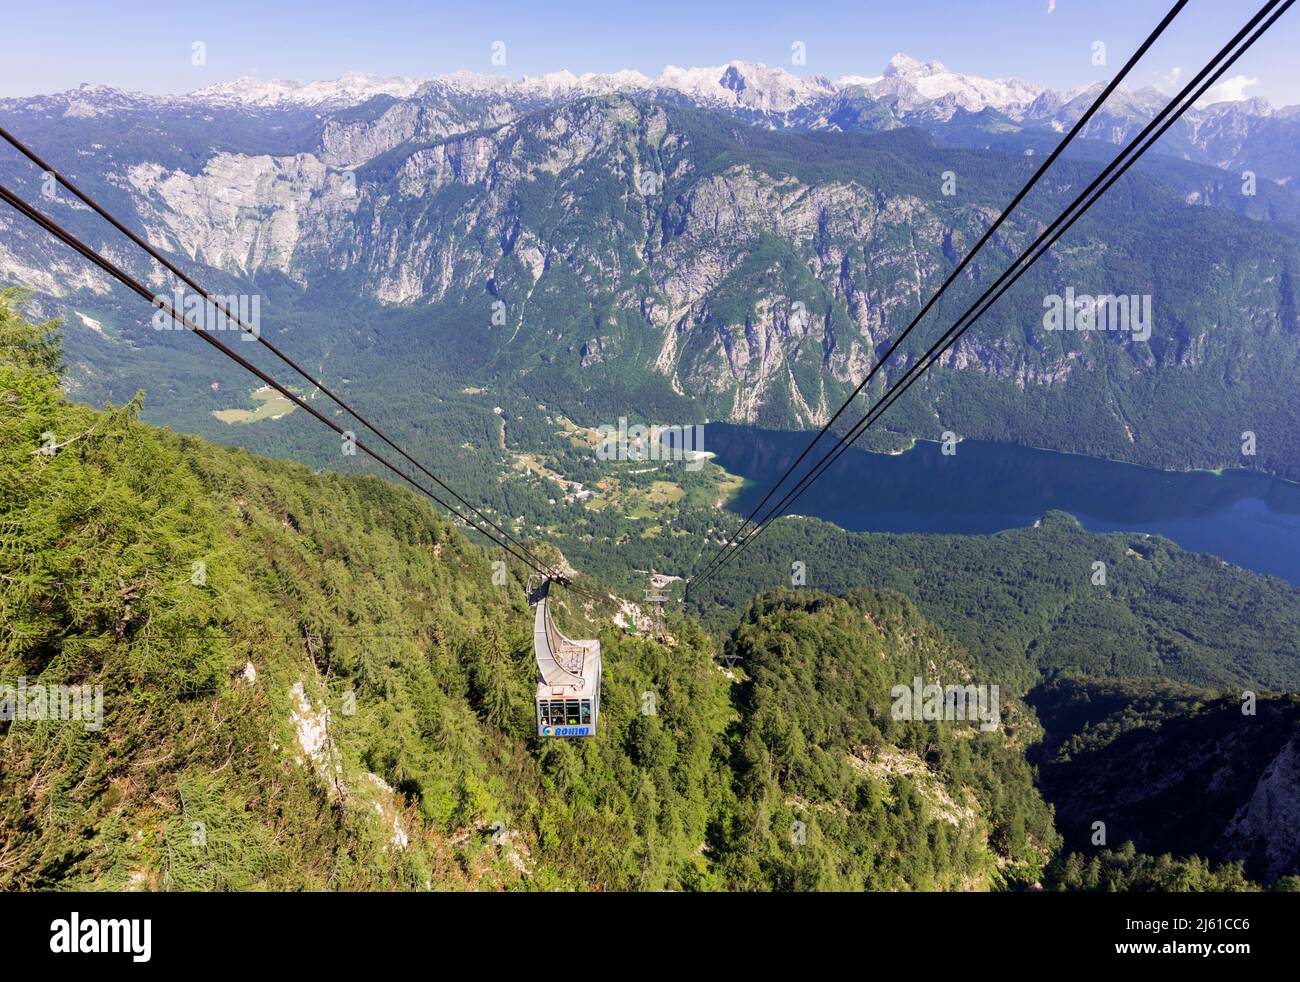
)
(586, 711)
(544, 712)
(571, 712)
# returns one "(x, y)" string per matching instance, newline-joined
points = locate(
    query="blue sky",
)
(147, 45)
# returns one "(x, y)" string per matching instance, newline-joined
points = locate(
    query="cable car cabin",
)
(568, 687)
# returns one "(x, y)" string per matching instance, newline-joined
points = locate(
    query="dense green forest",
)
(1125, 870)
(819, 745)
(1024, 603)
(312, 680)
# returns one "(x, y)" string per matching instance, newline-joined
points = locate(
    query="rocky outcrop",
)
(1198, 777)
(1266, 830)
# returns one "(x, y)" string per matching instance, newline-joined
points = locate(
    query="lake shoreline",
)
(1243, 517)
(1220, 471)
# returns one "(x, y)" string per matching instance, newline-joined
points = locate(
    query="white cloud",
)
(1229, 90)
(1051, 6)
(1168, 83)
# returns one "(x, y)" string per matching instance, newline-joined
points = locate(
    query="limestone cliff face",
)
(1266, 829)
(243, 214)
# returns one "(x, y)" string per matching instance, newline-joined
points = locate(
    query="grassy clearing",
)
(273, 406)
(665, 493)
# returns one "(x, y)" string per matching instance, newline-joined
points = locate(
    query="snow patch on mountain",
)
(347, 90)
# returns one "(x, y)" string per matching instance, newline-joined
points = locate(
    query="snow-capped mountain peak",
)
(903, 64)
(913, 80)
(745, 84)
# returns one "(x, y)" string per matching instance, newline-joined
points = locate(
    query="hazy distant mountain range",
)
(909, 91)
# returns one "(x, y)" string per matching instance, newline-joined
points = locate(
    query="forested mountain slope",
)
(888, 802)
(343, 702)
(339, 697)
